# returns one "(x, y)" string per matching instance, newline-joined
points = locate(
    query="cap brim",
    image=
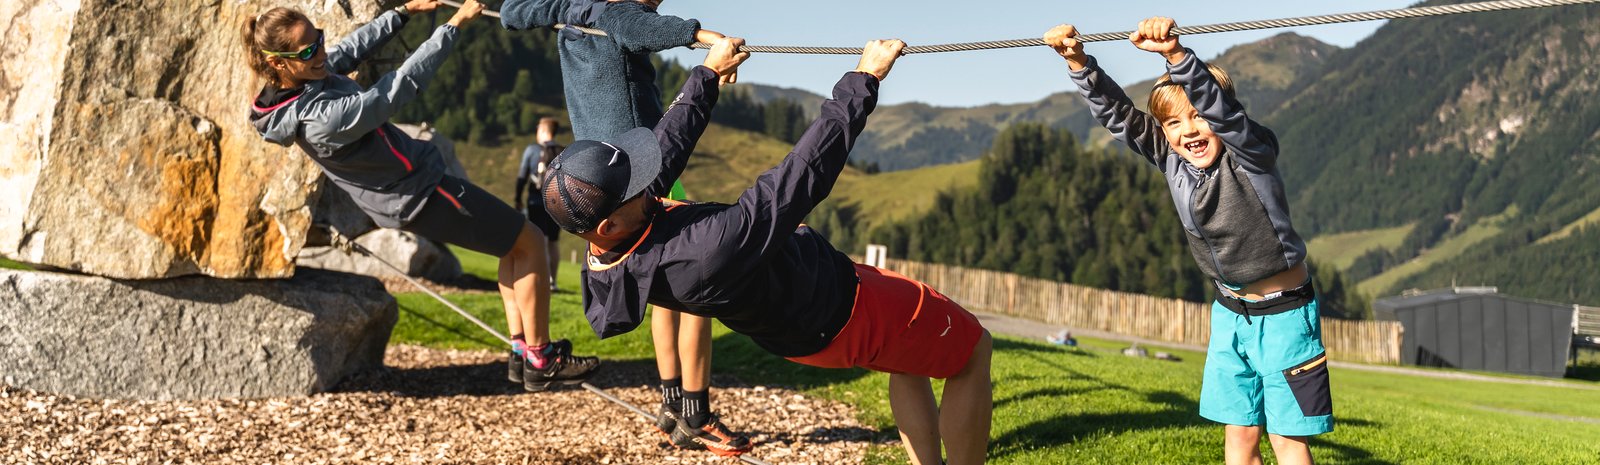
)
(644, 158)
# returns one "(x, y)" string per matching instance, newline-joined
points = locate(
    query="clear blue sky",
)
(975, 78)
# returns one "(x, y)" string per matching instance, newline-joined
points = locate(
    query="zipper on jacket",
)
(1200, 231)
(403, 158)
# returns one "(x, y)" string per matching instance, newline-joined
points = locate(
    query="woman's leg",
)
(530, 284)
(508, 298)
(967, 405)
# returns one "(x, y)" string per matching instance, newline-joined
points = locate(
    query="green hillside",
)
(897, 195)
(727, 161)
(1341, 250)
(1446, 123)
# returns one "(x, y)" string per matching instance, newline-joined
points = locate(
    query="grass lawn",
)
(1091, 405)
(1341, 250)
(1485, 229)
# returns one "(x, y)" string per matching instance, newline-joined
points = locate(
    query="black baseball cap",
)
(591, 179)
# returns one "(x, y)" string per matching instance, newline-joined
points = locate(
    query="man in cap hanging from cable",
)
(755, 267)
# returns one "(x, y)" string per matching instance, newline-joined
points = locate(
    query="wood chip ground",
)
(427, 406)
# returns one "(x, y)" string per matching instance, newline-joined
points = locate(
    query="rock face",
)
(190, 337)
(416, 255)
(127, 152)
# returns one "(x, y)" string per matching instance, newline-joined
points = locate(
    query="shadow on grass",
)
(463, 330)
(1002, 344)
(737, 355)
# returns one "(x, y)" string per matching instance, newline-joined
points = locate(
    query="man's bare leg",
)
(911, 399)
(967, 406)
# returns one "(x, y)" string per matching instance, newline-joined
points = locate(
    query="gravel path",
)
(429, 406)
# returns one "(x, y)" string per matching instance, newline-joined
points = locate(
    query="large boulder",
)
(190, 337)
(127, 152)
(417, 256)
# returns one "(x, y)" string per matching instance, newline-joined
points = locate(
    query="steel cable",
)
(1399, 13)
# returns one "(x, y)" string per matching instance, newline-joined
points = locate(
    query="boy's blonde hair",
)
(1167, 98)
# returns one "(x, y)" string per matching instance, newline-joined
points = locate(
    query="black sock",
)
(697, 407)
(672, 393)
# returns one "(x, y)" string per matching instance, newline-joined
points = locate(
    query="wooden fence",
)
(1143, 316)
(1588, 321)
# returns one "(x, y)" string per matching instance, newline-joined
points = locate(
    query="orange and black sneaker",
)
(713, 436)
(667, 421)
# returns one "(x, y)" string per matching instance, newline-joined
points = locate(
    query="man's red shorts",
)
(901, 326)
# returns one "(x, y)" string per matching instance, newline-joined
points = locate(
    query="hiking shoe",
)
(514, 367)
(667, 421)
(563, 368)
(713, 436)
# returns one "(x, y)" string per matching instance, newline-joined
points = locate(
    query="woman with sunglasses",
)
(398, 181)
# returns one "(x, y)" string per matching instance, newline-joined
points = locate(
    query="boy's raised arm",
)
(1109, 104)
(1256, 146)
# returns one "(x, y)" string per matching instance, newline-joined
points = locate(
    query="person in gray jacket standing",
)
(398, 181)
(1266, 368)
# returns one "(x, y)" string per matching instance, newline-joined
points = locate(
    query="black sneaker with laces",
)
(514, 367)
(667, 421)
(713, 436)
(562, 368)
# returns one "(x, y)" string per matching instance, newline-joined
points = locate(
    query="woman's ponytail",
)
(268, 31)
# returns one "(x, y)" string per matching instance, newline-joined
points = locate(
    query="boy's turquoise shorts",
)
(1268, 369)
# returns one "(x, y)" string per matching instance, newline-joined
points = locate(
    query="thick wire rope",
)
(1399, 13)
(343, 242)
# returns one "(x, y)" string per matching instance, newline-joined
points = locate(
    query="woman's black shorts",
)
(460, 213)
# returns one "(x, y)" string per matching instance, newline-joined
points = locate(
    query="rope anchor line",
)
(1400, 13)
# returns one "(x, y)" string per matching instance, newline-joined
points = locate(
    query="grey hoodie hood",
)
(345, 128)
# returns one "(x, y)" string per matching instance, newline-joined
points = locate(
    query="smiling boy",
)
(1265, 366)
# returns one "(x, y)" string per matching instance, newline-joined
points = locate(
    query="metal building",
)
(1480, 329)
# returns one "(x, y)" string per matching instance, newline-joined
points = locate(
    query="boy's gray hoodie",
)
(1235, 213)
(346, 129)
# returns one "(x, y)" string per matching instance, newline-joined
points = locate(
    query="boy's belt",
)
(1285, 301)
